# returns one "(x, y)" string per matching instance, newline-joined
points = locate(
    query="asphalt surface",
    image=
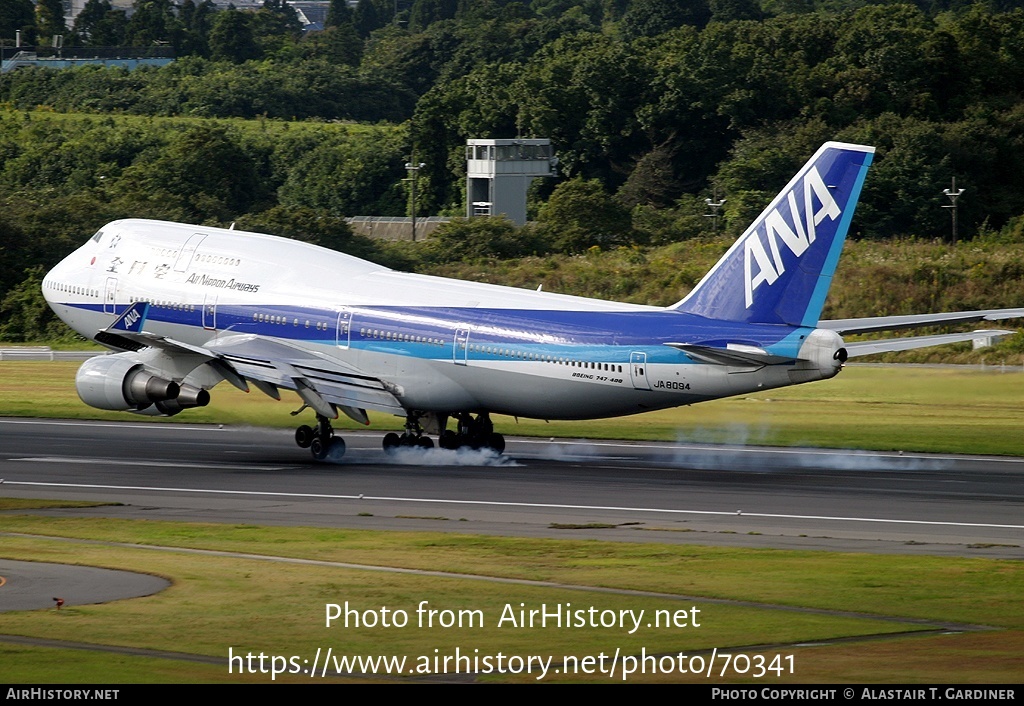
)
(620, 491)
(27, 585)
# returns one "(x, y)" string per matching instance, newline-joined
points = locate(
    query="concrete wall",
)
(394, 228)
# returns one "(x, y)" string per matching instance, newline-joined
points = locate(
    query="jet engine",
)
(187, 398)
(121, 383)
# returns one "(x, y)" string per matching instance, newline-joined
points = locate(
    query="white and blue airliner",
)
(187, 307)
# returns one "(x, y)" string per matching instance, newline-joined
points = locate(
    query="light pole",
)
(953, 195)
(714, 206)
(413, 169)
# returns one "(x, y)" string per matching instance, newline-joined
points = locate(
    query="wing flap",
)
(319, 381)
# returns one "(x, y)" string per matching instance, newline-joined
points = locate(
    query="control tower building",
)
(498, 173)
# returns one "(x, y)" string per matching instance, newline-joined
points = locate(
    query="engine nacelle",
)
(121, 383)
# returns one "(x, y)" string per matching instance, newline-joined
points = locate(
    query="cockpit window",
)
(96, 238)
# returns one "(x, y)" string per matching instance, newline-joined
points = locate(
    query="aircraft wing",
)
(268, 363)
(895, 323)
(320, 381)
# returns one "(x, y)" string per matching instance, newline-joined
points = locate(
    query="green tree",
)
(731, 10)
(154, 22)
(338, 45)
(338, 13)
(15, 15)
(100, 25)
(196, 20)
(426, 12)
(580, 215)
(469, 239)
(366, 18)
(25, 315)
(50, 18)
(582, 92)
(275, 26)
(649, 18)
(231, 37)
(306, 224)
(202, 174)
(351, 179)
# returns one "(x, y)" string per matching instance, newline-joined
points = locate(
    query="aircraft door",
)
(638, 371)
(110, 296)
(187, 251)
(460, 349)
(210, 312)
(344, 331)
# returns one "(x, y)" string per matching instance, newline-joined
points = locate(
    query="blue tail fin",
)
(780, 269)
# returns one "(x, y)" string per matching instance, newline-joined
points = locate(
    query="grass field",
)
(956, 410)
(248, 604)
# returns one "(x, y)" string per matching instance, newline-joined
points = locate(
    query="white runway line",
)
(497, 503)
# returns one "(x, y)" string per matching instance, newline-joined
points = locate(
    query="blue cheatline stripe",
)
(817, 302)
(596, 337)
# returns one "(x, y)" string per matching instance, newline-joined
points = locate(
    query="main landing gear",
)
(472, 433)
(321, 441)
(412, 438)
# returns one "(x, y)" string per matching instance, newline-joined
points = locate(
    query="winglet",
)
(132, 320)
(780, 269)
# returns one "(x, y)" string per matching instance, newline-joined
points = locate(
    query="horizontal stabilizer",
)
(890, 345)
(895, 323)
(734, 354)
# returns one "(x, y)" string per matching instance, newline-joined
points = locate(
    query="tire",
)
(496, 442)
(448, 440)
(304, 436)
(336, 449)
(391, 441)
(318, 448)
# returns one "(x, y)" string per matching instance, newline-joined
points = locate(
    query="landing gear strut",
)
(321, 441)
(473, 433)
(412, 437)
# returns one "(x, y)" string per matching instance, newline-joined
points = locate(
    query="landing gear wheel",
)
(321, 441)
(448, 440)
(495, 442)
(473, 433)
(391, 441)
(424, 442)
(336, 449)
(304, 436)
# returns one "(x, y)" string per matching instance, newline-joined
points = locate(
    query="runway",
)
(619, 491)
